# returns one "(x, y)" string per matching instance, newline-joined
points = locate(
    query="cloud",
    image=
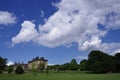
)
(76, 21)
(90, 44)
(111, 48)
(10, 63)
(27, 33)
(51, 64)
(117, 51)
(82, 57)
(42, 14)
(7, 18)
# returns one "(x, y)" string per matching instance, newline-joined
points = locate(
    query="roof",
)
(38, 59)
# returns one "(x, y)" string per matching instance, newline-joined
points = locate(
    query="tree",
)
(3, 62)
(73, 65)
(41, 66)
(117, 55)
(67, 66)
(97, 55)
(33, 66)
(10, 69)
(19, 70)
(47, 70)
(83, 65)
(62, 67)
(100, 67)
(114, 64)
(101, 62)
(1, 71)
(98, 62)
(34, 70)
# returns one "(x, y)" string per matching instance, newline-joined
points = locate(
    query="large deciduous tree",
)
(3, 62)
(73, 65)
(83, 65)
(117, 55)
(101, 62)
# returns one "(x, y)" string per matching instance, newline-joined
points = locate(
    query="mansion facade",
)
(34, 63)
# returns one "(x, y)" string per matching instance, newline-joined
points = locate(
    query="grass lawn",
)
(60, 76)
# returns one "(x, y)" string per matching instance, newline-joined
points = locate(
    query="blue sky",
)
(58, 30)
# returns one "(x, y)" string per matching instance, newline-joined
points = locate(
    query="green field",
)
(60, 76)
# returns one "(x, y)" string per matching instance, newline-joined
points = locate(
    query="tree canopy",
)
(73, 64)
(3, 62)
(19, 70)
(101, 62)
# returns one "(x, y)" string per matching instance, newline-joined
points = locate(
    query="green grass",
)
(60, 76)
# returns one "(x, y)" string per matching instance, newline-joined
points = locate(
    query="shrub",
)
(1, 71)
(47, 70)
(19, 70)
(41, 66)
(9, 69)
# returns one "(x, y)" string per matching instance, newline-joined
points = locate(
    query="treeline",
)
(67, 66)
(101, 62)
(97, 62)
(10, 68)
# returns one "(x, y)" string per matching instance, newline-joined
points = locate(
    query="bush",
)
(35, 71)
(47, 70)
(19, 70)
(9, 69)
(1, 71)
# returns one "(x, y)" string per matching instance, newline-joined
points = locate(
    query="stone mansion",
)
(35, 62)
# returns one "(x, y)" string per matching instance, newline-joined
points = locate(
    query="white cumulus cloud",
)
(27, 33)
(10, 63)
(7, 18)
(76, 21)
